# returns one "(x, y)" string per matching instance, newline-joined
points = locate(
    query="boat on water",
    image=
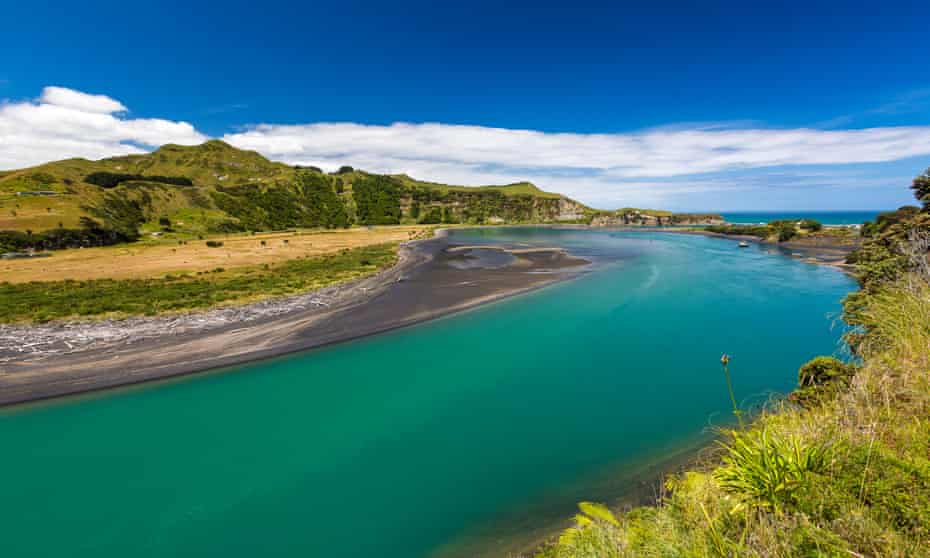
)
(743, 244)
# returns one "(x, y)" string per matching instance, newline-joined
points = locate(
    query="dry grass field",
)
(159, 258)
(39, 213)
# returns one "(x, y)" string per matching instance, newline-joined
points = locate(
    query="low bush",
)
(822, 377)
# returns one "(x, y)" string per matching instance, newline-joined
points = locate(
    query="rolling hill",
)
(217, 188)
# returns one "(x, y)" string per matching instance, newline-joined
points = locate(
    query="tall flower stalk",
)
(725, 362)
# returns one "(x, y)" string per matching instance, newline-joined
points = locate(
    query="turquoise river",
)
(462, 436)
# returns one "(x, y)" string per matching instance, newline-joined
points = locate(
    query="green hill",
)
(216, 188)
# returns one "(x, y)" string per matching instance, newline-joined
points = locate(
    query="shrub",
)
(812, 225)
(785, 230)
(821, 377)
(377, 200)
(765, 470)
(921, 187)
(432, 217)
(594, 533)
(214, 243)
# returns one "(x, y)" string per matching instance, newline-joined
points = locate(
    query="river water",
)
(461, 436)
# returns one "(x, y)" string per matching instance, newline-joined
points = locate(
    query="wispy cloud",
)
(912, 102)
(654, 153)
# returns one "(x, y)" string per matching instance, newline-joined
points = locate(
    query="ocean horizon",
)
(826, 217)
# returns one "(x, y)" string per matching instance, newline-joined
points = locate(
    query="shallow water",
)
(481, 258)
(461, 433)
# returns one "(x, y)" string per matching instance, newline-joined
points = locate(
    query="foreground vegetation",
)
(778, 231)
(841, 468)
(43, 301)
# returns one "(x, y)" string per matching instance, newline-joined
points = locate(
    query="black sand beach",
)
(428, 281)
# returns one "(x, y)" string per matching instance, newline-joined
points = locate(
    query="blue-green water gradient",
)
(399, 444)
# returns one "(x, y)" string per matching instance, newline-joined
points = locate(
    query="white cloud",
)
(659, 166)
(656, 153)
(64, 123)
(85, 102)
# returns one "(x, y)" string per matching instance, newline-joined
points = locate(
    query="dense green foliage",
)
(811, 225)
(921, 187)
(840, 469)
(782, 230)
(377, 200)
(310, 201)
(123, 213)
(41, 301)
(112, 179)
(884, 253)
(761, 231)
(91, 234)
(820, 378)
(888, 219)
(432, 217)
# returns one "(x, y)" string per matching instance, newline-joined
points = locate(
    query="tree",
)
(785, 230)
(812, 225)
(433, 217)
(377, 200)
(921, 187)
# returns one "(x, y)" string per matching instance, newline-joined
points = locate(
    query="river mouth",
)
(413, 442)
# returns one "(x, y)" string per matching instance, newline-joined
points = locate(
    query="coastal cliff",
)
(629, 217)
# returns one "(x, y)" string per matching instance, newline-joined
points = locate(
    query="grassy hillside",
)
(519, 188)
(841, 468)
(212, 188)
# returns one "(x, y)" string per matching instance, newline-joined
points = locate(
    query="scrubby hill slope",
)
(215, 188)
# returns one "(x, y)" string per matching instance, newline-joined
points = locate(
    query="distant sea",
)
(825, 217)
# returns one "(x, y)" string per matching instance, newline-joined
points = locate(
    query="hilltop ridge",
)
(215, 187)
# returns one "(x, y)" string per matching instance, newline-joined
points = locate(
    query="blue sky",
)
(682, 105)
